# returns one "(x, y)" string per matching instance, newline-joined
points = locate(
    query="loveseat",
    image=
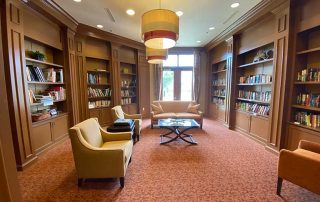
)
(175, 110)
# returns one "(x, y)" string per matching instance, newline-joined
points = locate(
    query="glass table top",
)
(177, 123)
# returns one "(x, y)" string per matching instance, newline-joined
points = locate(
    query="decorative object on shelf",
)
(160, 28)
(40, 116)
(156, 56)
(37, 55)
(263, 55)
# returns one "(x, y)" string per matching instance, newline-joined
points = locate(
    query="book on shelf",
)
(46, 100)
(32, 98)
(57, 93)
(125, 101)
(307, 119)
(255, 79)
(94, 78)
(218, 101)
(309, 100)
(253, 108)
(311, 74)
(219, 82)
(44, 75)
(127, 93)
(220, 92)
(97, 92)
(99, 103)
(255, 95)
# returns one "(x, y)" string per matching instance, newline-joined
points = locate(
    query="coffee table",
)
(178, 127)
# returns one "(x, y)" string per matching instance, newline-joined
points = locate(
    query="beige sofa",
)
(175, 109)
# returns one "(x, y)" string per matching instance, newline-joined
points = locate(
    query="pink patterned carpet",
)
(224, 166)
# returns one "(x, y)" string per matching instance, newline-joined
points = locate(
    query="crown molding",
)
(88, 31)
(261, 9)
(53, 11)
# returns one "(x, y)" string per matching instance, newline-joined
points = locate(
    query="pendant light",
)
(156, 56)
(160, 28)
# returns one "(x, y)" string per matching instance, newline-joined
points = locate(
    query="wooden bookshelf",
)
(317, 109)
(254, 84)
(43, 62)
(254, 101)
(308, 51)
(256, 63)
(45, 83)
(128, 86)
(218, 82)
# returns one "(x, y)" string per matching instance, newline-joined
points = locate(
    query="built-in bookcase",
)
(218, 83)
(99, 83)
(45, 80)
(128, 83)
(254, 81)
(305, 108)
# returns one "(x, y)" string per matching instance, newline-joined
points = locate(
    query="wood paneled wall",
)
(144, 84)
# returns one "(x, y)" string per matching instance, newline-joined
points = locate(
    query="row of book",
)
(127, 93)
(255, 95)
(125, 101)
(220, 92)
(219, 82)
(309, 100)
(44, 75)
(128, 83)
(218, 101)
(99, 103)
(97, 92)
(254, 79)
(253, 108)
(54, 93)
(311, 74)
(95, 78)
(307, 119)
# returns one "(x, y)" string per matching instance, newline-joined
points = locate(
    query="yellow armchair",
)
(117, 113)
(301, 167)
(98, 153)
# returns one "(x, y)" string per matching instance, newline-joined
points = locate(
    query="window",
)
(178, 77)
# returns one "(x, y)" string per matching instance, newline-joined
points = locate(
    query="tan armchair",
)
(117, 113)
(301, 167)
(98, 153)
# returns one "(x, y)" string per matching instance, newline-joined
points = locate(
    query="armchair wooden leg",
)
(138, 137)
(80, 181)
(130, 159)
(122, 181)
(279, 185)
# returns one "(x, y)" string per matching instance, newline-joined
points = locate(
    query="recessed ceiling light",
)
(100, 26)
(179, 13)
(77, 1)
(198, 41)
(130, 12)
(211, 28)
(235, 5)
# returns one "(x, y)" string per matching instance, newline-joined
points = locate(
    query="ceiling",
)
(198, 16)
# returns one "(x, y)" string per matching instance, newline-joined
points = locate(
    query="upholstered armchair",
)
(98, 153)
(117, 113)
(301, 166)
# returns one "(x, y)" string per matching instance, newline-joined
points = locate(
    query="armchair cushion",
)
(124, 145)
(90, 131)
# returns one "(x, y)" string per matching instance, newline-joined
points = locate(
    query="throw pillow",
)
(193, 108)
(157, 109)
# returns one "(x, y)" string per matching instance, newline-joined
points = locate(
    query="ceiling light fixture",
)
(211, 28)
(198, 41)
(235, 5)
(160, 28)
(156, 56)
(130, 12)
(77, 1)
(179, 13)
(100, 26)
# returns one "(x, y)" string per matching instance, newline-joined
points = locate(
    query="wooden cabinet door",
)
(259, 127)
(125, 109)
(41, 136)
(94, 113)
(242, 121)
(133, 109)
(105, 115)
(60, 127)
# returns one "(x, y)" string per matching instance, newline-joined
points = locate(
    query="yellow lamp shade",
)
(156, 56)
(160, 29)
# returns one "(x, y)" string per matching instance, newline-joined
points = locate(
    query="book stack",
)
(127, 93)
(57, 93)
(219, 82)
(99, 103)
(254, 95)
(312, 74)
(99, 92)
(307, 119)
(94, 78)
(309, 100)
(256, 79)
(253, 108)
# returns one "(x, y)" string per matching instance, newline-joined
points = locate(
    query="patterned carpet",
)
(224, 166)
